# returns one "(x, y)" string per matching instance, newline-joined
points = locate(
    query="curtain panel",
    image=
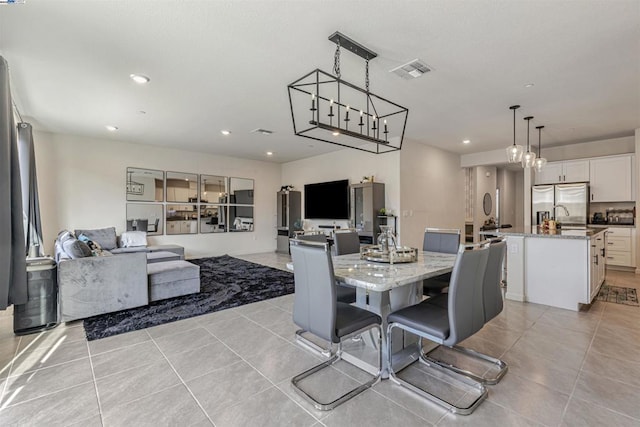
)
(13, 268)
(29, 184)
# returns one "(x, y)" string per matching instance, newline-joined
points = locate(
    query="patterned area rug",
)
(618, 294)
(225, 282)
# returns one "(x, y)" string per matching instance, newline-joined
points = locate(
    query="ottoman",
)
(170, 279)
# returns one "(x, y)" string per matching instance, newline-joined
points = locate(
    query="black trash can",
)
(41, 310)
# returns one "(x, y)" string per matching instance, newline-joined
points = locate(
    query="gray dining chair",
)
(492, 306)
(344, 243)
(439, 240)
(316, 309)
(463, 317)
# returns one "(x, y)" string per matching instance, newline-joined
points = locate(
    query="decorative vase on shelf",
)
(386, 239)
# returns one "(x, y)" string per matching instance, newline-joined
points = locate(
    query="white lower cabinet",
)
(597, 263)
(621, 247)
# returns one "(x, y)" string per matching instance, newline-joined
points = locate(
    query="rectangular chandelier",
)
(326, 108)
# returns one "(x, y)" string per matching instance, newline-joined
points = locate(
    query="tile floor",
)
(232, 368)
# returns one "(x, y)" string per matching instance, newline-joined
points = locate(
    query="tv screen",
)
(327, 200)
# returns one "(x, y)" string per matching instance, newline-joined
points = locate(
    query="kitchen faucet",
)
(566, 211)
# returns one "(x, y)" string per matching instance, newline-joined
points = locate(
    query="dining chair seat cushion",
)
(345, 294)
(426, 318)
(350, 319)
(441, 300)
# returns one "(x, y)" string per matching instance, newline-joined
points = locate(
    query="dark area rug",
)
(618, 295)
(225, 282)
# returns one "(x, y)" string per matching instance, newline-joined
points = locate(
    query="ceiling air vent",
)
(262, 131)
(412, 69)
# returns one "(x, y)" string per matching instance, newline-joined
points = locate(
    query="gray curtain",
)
(29, 183)
(13, 268)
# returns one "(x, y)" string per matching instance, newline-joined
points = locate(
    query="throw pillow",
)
(96, 249)
(130, 239)
(76, 248)
(105, 237)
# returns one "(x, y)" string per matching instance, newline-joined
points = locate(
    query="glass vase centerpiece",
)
(387, 240)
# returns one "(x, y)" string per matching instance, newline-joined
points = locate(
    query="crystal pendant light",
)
(528, 158)
(540, 161)
(514, 152)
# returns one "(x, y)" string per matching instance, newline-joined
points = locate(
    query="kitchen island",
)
(561, 268)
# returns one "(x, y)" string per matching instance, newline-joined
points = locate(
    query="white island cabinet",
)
(563, 268)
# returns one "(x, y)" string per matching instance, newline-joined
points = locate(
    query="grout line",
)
(95, 385)
(584, 359)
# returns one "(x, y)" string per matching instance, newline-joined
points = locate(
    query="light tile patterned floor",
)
(232, 368)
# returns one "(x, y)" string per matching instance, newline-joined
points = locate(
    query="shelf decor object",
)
(326, 108)
(540, 162)
(528, 158)
(514, 152)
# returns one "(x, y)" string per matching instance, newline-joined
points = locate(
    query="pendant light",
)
(540, 161)
(528, 158)
(514, 152)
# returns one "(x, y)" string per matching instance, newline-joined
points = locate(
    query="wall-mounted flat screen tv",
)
(327, 200)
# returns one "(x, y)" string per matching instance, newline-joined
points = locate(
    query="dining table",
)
(383, 288)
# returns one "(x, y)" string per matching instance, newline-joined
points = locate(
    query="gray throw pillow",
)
(105, 237)
(76, 249)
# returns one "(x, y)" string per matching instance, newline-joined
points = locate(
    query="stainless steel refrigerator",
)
(571, 203)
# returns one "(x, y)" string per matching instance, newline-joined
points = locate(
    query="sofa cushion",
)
(105, 237)
(132, 250)
(133, 238)
(75, 248)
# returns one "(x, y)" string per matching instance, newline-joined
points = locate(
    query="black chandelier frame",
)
(367, 129)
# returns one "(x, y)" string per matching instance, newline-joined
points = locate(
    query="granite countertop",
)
(566, 233)
(379, 277)
(613, 224)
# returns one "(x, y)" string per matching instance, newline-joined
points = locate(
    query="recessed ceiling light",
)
(139, 78)
(336, 133)
(269, 153)
(225, 132)
(111, 128)
(529, 85)
(466, 141)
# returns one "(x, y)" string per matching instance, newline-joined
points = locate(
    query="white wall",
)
(82, 185)
(346, 164)
(486, 182)
(432, 191)
(506, 182)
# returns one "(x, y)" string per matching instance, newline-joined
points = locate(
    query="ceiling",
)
(226, 64)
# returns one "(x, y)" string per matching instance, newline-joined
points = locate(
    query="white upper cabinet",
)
(570, 171)
(611, 179)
